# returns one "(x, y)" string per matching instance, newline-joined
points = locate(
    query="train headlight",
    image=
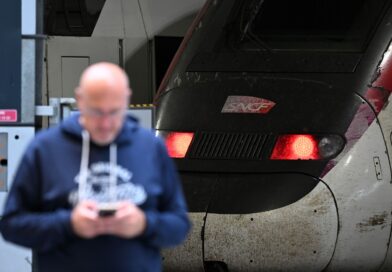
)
(306, 147)
(329, 146)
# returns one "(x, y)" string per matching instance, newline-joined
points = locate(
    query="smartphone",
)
(107, 209)
(106, 212)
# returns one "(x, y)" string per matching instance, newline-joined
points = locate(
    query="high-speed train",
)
(277, 115)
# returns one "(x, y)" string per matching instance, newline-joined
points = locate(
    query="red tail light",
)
(296, 147)
(178, 143)
(307, 147)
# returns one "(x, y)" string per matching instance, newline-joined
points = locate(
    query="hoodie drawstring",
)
(112, 177)
(84, 168)
(84, 165)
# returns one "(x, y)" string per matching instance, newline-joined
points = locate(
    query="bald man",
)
(102, 97)
(98, 192)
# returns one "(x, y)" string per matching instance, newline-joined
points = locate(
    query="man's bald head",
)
(103, 76)
(102, 98)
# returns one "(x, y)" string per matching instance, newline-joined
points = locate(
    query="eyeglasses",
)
(96, 113)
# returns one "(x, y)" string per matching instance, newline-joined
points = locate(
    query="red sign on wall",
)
(8, 116)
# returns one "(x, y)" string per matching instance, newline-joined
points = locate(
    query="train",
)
(278, 116)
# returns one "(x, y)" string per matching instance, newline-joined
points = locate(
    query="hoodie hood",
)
(72, 127)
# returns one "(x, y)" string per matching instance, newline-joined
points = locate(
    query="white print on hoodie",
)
(106, 182)
(98, 185)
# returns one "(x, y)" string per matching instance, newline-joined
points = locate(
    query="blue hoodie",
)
(38, 209)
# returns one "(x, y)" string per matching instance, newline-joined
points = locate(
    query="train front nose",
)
(256, 200)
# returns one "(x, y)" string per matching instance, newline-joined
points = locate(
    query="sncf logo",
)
(247, 104)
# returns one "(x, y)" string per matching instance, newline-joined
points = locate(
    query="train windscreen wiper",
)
(247, 32)
(252, 17)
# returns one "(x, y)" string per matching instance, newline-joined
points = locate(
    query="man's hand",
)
(129, 221)
(85, 221)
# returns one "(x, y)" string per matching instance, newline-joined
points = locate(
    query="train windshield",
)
(321, 25)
